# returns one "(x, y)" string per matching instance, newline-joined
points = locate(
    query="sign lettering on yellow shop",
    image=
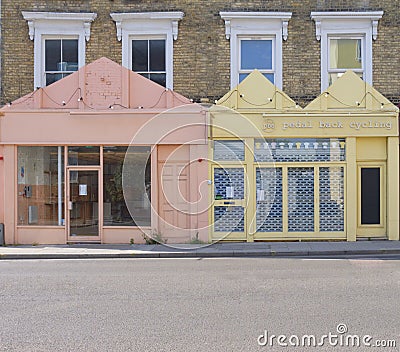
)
(270, 125)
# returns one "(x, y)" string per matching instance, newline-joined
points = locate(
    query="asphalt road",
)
(196, 304)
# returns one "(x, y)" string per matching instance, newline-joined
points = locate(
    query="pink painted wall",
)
(40, 235)
(1, 185)
(9, 192)
(123, 235)
(64, 127)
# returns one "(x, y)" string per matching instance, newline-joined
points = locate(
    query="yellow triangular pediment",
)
(350, 92)
(257, 92)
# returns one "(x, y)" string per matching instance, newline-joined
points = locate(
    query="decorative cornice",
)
(175, 29)
(86, 25)
(230, 17)
(228, 29)
(285, 29)
(318, 29)
(118, 24)
(173, 17)
(35, 17)
(31, 27)
(258, 14)
(374, 29)
(372, 16)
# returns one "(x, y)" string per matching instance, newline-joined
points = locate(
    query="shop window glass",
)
(127, 185)
(301, 199)
(40, 185)
(84, 155)
(370, 196)
(228, 219)
(228, 150)
(148, 59)
(61, 58)
(300, 149)
(229, 183)
(269, 198)
(331, 198)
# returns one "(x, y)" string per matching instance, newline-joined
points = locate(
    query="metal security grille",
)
(228, 150)
(300, 149)
(269, 199)
(331, 198)
(229, 219)
(301, 199)
(229, 183)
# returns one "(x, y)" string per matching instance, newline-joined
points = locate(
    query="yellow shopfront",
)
(325, 172)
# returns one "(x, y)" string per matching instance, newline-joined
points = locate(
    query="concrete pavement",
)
(256, 249)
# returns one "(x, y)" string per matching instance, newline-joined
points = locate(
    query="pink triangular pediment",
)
(102, 84)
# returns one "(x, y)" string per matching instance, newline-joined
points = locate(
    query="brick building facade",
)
(201, 52)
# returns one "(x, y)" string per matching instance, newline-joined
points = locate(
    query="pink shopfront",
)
(103, 155)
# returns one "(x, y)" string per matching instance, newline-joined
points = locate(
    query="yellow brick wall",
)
(201, 53)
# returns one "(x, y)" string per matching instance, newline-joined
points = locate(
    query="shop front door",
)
(229, 208)
(83, 205)
(372, 200)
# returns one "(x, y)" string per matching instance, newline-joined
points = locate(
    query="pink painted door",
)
(174, 204)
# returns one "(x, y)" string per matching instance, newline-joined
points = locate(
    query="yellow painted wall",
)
(349, 109)
(371, 148)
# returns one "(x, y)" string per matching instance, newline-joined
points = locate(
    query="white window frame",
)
(56, 25)
(256, 25)
(345, 25)
(148, 25)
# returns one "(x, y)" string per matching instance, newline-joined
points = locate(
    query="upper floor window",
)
(59, 43)
(148, 59)
(346, 43)
(61, 58)
(256, 43)
(147, 43)
(257, 53)
(345, 53)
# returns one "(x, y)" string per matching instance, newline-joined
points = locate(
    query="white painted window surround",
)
(344, 25)
(148, 25)
(56, 25)
(256, 25)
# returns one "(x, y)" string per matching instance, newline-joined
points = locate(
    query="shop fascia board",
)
(100, 112)
(336, 113)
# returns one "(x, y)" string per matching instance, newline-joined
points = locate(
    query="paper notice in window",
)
(230, 192)
(260, 195)
(83, 190)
